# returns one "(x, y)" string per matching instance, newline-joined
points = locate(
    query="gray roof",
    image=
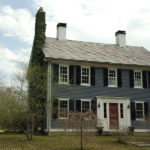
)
(96, 52)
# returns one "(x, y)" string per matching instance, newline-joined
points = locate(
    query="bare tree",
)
(13, 115)
(81, 123)
(15, 112)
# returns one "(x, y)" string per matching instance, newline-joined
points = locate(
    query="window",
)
(121, 111)
(63, 74)
(138, 79)
(86, 106)
(105, 110)
(139, 110)
(85, 75)
(112, 78)
(63, 109)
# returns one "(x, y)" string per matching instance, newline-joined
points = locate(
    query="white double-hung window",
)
(63, 108)
(138, 79)
(63, 74)
(112, 77)
(139, 110)
(85, 75)
(86, 106)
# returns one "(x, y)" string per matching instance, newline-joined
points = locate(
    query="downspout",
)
(49, 97)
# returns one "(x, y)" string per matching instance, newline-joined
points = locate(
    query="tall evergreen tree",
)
(37, 72)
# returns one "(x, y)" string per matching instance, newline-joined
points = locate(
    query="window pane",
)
(112, 81)
(139, 111)
(112, 78)
(137, 79)
(63, 109)
(63, 104)
(63, 74)
(85, 106)
(85, 75)
(139, 106)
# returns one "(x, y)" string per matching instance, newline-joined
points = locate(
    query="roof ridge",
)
(95, 42)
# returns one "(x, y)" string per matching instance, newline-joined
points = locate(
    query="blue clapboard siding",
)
(79, 91)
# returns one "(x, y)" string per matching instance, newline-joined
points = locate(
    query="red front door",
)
(113, 116)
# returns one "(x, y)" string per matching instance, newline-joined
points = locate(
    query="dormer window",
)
(112, 77)
(63, 74)
(138, 79)
(85, 75)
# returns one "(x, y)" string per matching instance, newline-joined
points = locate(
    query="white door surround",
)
(103, 116)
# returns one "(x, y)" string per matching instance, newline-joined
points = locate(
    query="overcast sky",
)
(87, 20)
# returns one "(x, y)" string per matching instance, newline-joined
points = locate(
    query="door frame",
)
(123, 122)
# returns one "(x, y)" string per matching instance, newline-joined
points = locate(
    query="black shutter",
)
(133, 111)
(56, 73)
(131, 78)
(146, 112)
(149, 78)
(55, 109)
(144, 79)
(93, 76)
(78, 75)
(119, 75)
(78, 105)
(71, 74)
(71, 105)
(94, 106)
(105, 76)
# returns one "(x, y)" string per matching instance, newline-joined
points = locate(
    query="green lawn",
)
(68, 142)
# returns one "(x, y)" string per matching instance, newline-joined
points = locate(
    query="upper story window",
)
(85, 75)
(138, 79)
(63, 74)
(63, 109)
(139, 107)
(112, 77)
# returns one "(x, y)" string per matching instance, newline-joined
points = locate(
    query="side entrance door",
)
(113, 116)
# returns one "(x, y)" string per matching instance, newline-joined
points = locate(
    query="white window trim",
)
(63, 99)
(86, 100)
(88, 84)
(116, 77)
(61, 65)
(140, 87)
(140, 119)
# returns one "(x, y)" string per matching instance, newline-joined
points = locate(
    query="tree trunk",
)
(81, 135)
(28, 136)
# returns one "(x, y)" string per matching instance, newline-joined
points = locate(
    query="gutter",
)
(95, 62)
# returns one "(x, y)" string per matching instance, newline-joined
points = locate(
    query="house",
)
(116, 76)
(113, 80)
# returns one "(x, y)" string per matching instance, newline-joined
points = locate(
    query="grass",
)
(68, 142)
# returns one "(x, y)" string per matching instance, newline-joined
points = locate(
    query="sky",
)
(87, 20)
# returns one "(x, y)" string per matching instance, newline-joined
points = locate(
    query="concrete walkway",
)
(141, 144)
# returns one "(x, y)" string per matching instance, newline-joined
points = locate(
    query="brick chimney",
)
(121, 38)
(61, 31)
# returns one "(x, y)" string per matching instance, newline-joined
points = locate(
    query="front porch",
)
(113, 113)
